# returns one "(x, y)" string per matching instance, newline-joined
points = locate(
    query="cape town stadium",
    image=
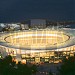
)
(38, 46)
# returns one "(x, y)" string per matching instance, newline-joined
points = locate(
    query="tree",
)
(34, 69)
(9, 67)
(67, 67)
(50, 73)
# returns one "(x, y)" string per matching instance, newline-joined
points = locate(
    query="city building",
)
(38, 23)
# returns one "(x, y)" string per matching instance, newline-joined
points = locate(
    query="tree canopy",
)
(68, 66)
(8, 67)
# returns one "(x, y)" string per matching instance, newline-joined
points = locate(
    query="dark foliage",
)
(68, 66)
(8, 67)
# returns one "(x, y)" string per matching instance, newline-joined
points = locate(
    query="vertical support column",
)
(18, 54)
(4, 53)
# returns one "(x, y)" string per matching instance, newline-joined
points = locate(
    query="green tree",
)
(50, 73)
(67, 67)
(8, 67)
(34, 69)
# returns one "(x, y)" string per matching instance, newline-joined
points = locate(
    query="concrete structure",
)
(38, 23)
(38, 46)
(24, 26)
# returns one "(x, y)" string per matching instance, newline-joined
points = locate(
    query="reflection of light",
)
(0, 56)
(27, 35)
(23, 61)
(15, 60)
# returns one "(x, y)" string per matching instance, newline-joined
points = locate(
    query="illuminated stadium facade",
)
(38, 46)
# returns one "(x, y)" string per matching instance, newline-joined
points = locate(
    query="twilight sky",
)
(19, 10)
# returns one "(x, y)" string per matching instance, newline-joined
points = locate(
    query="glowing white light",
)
(27, 35)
